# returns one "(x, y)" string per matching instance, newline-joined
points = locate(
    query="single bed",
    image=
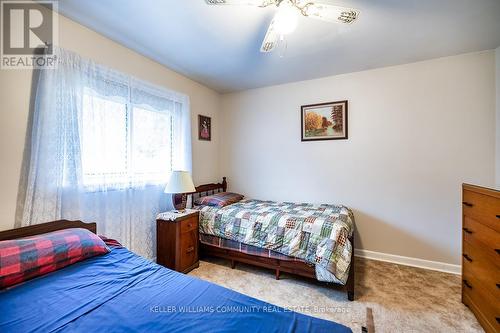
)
(215, 240)
(123, 292)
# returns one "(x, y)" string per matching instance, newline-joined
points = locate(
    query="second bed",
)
(314, 241)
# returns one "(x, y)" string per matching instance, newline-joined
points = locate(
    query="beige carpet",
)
(403, 299)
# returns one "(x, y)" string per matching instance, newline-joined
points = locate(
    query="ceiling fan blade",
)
(331, 13)
(258, 3)
(271, 39)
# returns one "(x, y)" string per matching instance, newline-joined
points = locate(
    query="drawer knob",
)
(468, 204)
(497, 251)
(467, 257)
(498, 216)
(498, 285)
(467, 284)
(467, 230)
(498, 319)
(190, 249)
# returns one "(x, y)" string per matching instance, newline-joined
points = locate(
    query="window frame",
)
(128, 179)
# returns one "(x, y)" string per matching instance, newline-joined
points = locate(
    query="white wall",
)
(416, 132)
(15, 89)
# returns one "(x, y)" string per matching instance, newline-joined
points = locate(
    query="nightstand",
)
(177, 240)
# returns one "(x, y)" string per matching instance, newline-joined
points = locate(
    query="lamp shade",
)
(180, 182)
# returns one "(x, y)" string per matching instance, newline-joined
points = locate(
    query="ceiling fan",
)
(285, 19)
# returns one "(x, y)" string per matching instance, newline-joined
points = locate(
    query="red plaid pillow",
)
(25, 258)
(219, 199)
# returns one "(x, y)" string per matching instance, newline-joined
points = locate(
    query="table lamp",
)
(180, 182)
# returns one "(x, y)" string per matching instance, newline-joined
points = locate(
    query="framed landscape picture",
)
(324, 121)
(204, 128)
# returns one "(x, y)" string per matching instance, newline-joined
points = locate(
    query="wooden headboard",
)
(203, 190)
(42, 228)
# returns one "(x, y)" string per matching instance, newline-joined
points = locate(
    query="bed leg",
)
(370, 326)
(350, 280)
(350, 295)
(233, 264)
(277, 273)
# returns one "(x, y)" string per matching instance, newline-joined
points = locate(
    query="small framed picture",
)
(204, 128)
(324, 121)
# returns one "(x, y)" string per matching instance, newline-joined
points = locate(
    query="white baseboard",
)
(408, 261)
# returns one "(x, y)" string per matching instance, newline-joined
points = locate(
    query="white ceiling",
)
(219, 45)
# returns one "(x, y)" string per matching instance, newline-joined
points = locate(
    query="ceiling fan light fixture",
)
(327, 13)
(286, 18)
(348, 16)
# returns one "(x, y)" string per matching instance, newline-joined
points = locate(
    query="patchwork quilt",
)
(317, 234)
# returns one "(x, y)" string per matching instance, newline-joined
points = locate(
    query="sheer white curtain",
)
(102, 147)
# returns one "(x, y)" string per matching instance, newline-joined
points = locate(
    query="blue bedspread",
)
(123, 292)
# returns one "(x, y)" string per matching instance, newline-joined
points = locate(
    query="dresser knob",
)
(468, 204)
(467, 230)
(467, 257)
(498, 285)
(498, 251)
(467, 284)
(498, 216)
(498, 319)
(190, 249)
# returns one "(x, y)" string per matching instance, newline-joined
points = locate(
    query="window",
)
(122, 144)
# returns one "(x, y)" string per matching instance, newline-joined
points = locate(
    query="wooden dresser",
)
(481, 254)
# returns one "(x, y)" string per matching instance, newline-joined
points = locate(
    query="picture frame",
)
(204, 128)
(324, 121)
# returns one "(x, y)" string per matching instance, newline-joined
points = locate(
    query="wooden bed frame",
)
(42, 228)
(300, 268)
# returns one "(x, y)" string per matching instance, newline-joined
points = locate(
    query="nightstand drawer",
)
(188, 249)
(189, 224)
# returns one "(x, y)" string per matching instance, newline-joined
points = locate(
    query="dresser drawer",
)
(484, 306)
(478, 269)
(189, 224)
(482, 208)
(483, 237)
